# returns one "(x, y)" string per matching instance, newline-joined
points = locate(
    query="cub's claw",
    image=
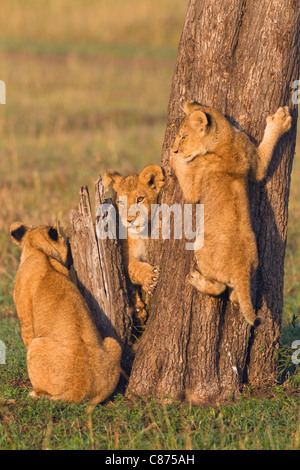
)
(281, 120)
(151, 281)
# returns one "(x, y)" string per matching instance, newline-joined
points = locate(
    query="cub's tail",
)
(242, 289)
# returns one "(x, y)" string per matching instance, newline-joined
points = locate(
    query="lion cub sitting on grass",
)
(138, 192)
(66, 357)
(213, 161)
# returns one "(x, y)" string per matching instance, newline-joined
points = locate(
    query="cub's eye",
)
(183, 137)
(140, 199)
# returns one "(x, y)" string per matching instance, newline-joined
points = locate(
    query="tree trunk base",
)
(242, 58)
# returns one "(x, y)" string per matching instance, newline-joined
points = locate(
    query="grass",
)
(270, 422)
(88, 85)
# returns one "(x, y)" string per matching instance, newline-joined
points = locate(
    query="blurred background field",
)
(87, 89)
(88, 85)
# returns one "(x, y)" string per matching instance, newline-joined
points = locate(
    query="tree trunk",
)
(240, 56)
(100, 276)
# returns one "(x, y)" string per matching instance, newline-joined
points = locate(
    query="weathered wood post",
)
(100, 274)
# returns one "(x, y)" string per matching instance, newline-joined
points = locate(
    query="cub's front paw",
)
(150, 279)
(281, 121)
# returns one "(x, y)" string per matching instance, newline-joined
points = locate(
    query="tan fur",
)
(66, 356)
(213, 161)
(144, 188)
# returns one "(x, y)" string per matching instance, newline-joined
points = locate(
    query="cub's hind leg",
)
(140, 311)
(57, 372)
(205, 286)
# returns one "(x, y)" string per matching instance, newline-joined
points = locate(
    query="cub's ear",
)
(153, 176)
(60, 229)
(18, 231)
(190, 106)
(199, 120)
(112, 178)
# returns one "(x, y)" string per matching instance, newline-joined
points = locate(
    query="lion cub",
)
(66, 357)
(213, 161)
(137, 192)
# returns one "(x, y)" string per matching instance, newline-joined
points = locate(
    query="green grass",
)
(270, 422)
(88, 85)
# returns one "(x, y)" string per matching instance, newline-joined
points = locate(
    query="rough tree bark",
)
(240, 56)
(99, 274)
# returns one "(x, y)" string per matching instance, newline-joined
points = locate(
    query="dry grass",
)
(87, 89)
(91, 24)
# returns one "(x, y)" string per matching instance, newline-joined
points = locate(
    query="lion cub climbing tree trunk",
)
(240, 56)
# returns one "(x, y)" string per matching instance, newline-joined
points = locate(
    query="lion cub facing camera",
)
(66, 356)
(138, 192)
(213, 161)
